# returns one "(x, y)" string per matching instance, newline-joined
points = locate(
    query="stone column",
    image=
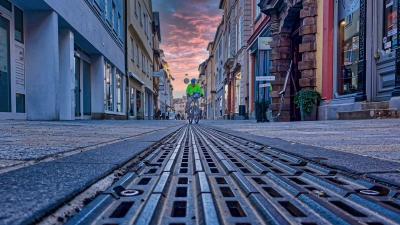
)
(42, 65)
(97, 82)
(280, 60)
(66, 96)
(308, 31)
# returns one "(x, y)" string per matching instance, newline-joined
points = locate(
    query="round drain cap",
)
(369, 192)
(130, 192)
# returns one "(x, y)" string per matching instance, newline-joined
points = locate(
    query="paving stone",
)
(28, 193)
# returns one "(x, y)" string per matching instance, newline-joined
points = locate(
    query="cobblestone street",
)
(48, 165)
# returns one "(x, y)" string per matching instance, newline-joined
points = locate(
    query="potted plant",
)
(261, 109)
(307, 101)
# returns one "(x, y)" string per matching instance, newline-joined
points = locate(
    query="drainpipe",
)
(126, 55)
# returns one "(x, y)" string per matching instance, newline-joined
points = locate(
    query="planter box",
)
(311, 116)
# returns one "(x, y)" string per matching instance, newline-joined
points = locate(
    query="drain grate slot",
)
(271, 191)
(181, 192)
(335, 180)
(183, 180)
(227, 192)
(121, 210)
(292, 209)
(298, 181)
(392, 204)
(259, 180)
(179, 209)
(144, 181)
(348, 209)
(220, 180)
(235, 209)
(150, 171)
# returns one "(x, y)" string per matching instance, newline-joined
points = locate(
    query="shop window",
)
(389, 41)
(108, 88)
(348, 46)
(119, 93)
(19, 24)
(6, 4)
(132, 102)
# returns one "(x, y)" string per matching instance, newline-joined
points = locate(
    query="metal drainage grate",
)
(203, 176)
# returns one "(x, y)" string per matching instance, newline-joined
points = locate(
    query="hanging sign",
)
(264, 43)
(159, 73)
(264, 85)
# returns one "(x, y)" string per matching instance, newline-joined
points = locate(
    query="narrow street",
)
(216, 172)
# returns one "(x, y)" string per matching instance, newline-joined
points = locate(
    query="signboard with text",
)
(265, 78)
(265, 85)
(159, 73)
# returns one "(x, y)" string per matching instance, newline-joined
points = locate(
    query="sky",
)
(187, 26)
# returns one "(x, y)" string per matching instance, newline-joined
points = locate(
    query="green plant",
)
(305, 100)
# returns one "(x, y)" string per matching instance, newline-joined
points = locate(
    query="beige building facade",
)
(140, 59)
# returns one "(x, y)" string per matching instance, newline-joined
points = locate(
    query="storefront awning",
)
(136, 78)
(147, 87)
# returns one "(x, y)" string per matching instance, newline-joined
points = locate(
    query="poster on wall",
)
(264, 43)
(392, 23)
(3, 50)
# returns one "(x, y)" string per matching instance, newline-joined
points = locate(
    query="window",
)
(119, 25)
(389, 26)
(113, 15)
(108, 87)
(132, 50)
(137, 55)
(229, 46)
(120, 89)
(134, 2)
(106, 9)
(145, 23)
(6, 4)
(140, 13)
(239, 46)
(143, 63)
(19, 24)
(147, 67)
(348, 50)
(257, 8)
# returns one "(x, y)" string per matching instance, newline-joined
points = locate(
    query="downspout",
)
(126, 56)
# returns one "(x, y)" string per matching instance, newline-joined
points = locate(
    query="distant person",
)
(190, 90)
(178, 116)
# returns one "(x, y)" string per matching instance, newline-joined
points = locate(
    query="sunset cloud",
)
(187, 26)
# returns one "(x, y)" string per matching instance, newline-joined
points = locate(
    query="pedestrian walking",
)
(178, 116)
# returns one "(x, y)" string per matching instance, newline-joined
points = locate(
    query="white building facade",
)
(62, 60)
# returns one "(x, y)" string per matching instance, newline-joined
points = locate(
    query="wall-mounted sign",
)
(159, 73)
(264, 85)
(265, 78)
(264, 43)
(161, 87)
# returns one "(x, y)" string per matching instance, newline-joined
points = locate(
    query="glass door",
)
(87, 108)
(5, 75)
(77, 87)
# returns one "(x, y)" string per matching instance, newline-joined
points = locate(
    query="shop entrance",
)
(385, 54)
(82, 87)
(296, 74)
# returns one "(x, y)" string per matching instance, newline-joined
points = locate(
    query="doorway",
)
(296, 40)
(383, 80)
(82, 87)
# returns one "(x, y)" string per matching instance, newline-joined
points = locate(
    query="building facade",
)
(209, 90)
(82, 51)
(361, 64)
(259, 57)
(295, 32)
(219, 80)
(237, 15)
(140, 59)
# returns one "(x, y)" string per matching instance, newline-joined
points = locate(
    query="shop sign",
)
(161, 87)
(264, 43)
